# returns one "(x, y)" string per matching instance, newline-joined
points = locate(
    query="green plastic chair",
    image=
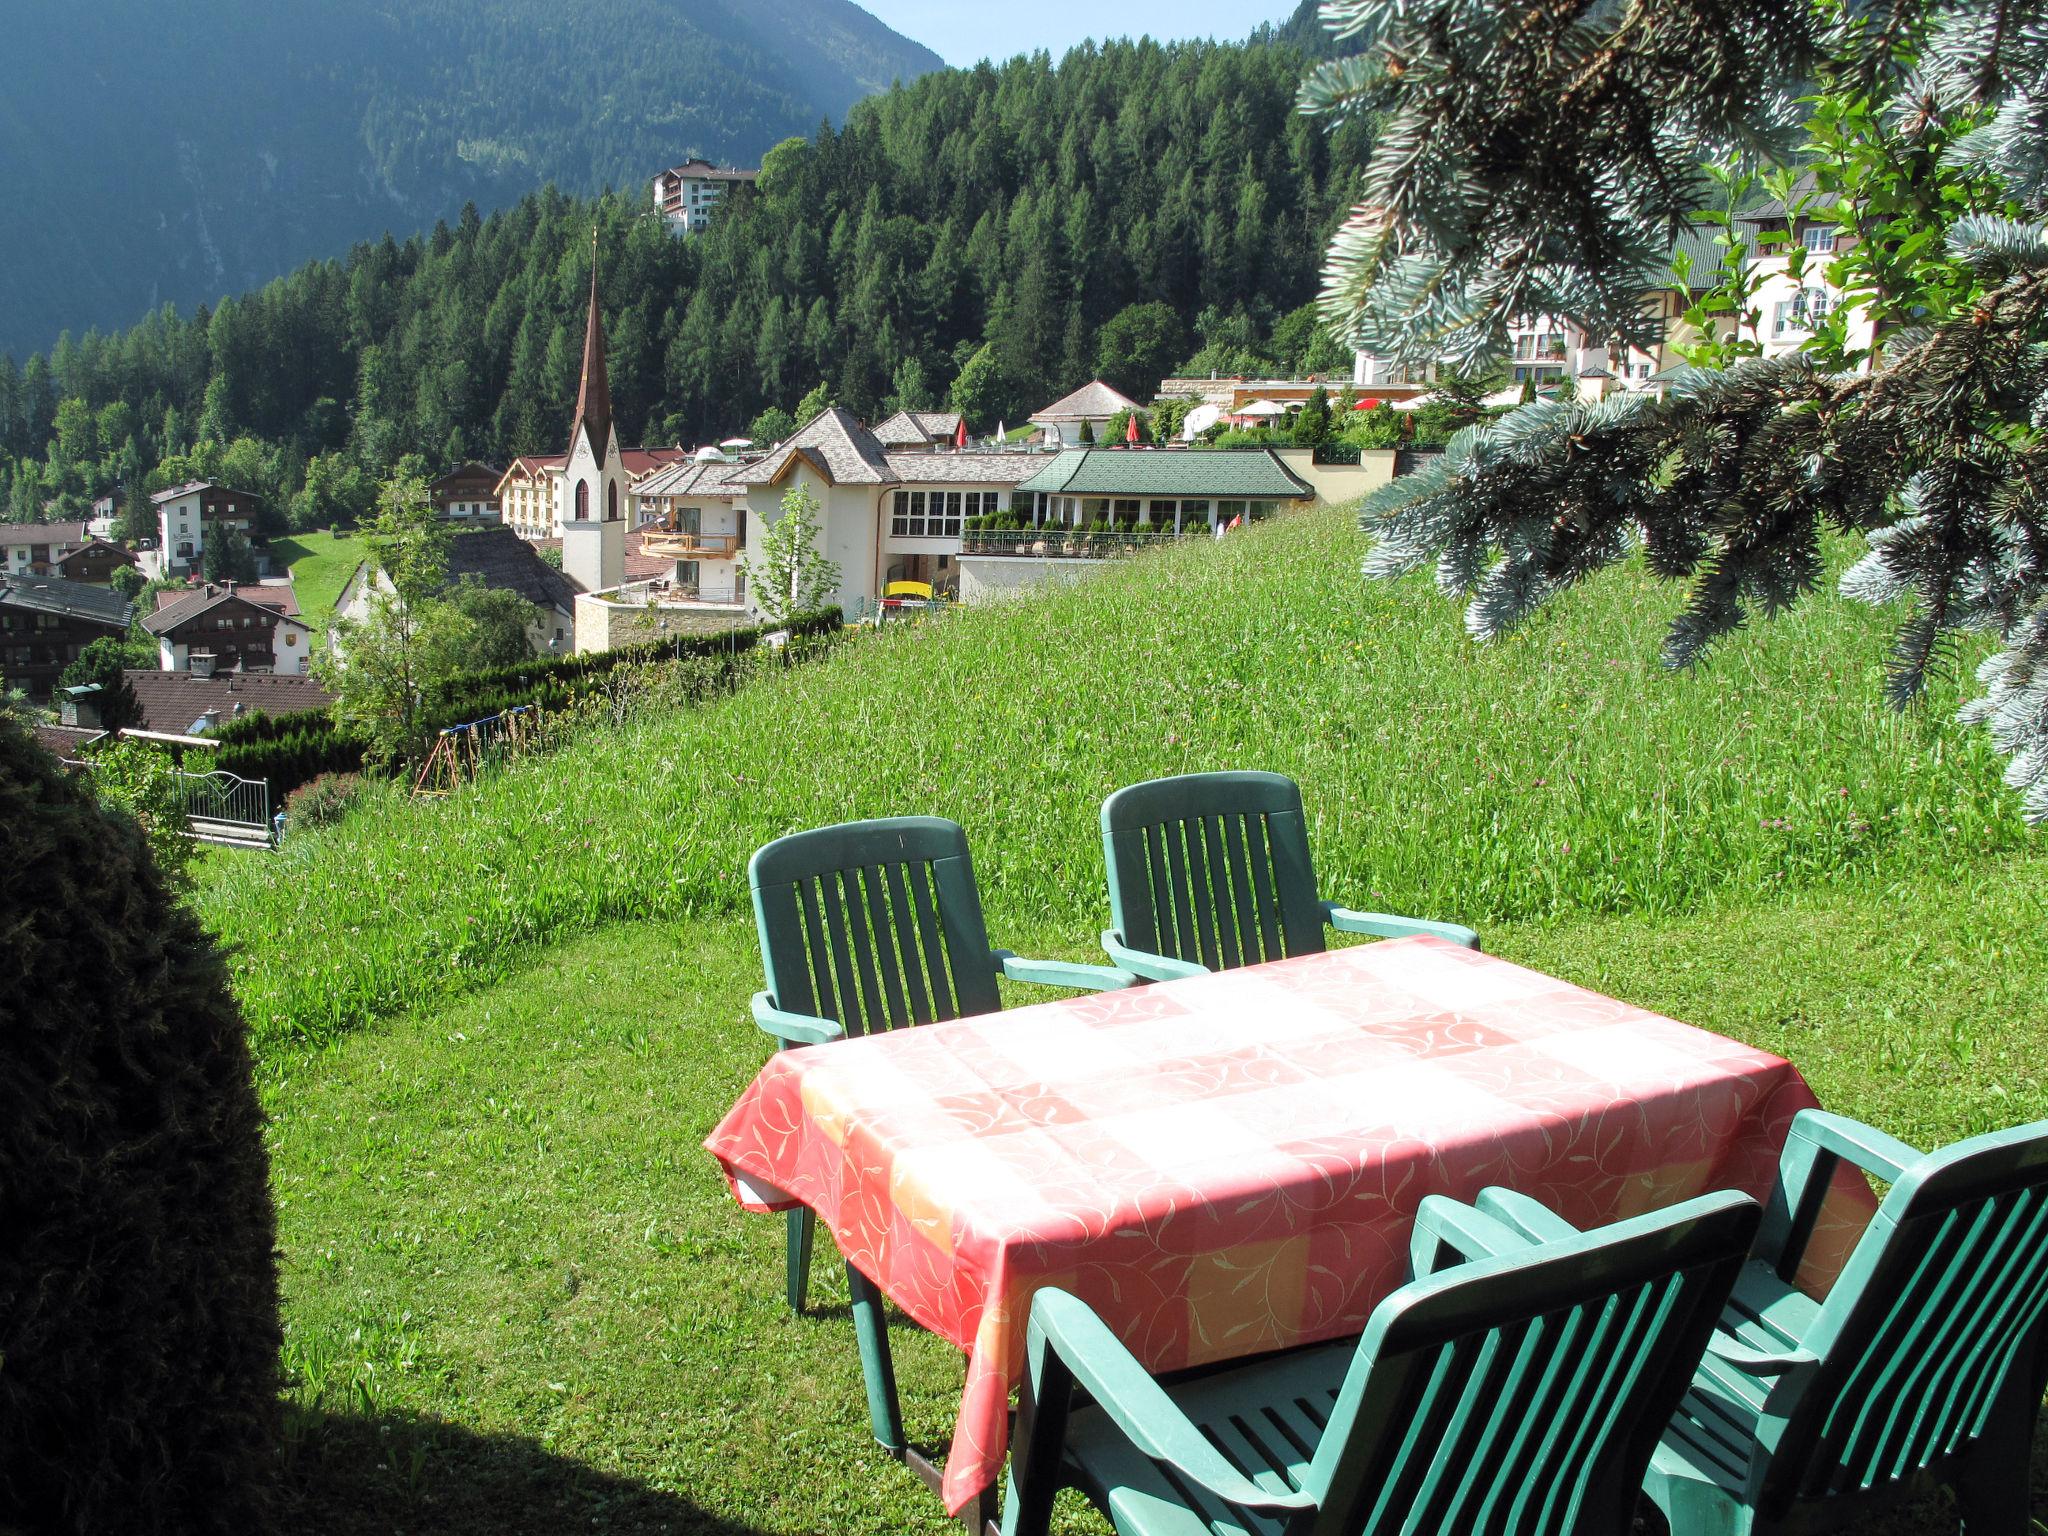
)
(1925, 1365)
(1518, 1392)
(869, 926)
(1209, 871)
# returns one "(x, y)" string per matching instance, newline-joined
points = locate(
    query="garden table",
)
(1231, 1164)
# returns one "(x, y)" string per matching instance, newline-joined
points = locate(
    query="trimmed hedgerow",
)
(138, 1287)
(289, 750)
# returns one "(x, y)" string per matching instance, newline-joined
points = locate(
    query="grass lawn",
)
(519, 1298)
(495, 1028)
(1563, 773)
(321, 564)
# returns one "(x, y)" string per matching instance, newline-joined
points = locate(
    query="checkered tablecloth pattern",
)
(1231, 1164)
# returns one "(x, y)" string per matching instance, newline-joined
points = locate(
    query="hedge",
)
(288, 750)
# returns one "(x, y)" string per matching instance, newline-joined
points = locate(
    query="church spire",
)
(594, 395)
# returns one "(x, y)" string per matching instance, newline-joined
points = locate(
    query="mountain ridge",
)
(238, 140)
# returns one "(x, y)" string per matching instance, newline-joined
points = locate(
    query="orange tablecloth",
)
(1231, 1164)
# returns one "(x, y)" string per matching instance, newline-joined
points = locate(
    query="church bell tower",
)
(592, 516)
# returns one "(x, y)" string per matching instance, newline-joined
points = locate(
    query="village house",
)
(468, 493)
(530, 491)
(685, 194)
(691, 530)
(45, 621)
(502, 561)
(187, 514)
(94, 561)
(222, 628)
(34, 549)
(1090, 406)
(883, 516)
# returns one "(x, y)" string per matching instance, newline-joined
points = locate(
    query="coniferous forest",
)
(992, 237)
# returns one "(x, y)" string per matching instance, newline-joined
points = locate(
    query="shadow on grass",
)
(400, 1473)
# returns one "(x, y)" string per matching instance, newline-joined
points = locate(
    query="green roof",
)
(1176, 472)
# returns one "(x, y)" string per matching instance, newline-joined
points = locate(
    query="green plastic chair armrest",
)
(1386, 926)
(1532, 1218)
(1140, 1407)
(1817, 1142)
(1864, 1145)
(1448, 1232)
(1148, 966)
(1759, 1362)
(1062, 973)
(793, 1028)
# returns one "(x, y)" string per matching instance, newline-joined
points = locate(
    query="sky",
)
(965, 31)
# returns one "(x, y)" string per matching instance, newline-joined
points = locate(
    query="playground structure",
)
(461, 752)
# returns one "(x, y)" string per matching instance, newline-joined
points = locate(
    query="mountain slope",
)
(177, 152)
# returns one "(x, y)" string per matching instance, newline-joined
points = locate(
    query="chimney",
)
(200, 664)
(211, 590)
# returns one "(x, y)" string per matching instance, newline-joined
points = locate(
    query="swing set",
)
(461, 752)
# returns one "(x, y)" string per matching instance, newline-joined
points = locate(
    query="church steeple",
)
(594, 394)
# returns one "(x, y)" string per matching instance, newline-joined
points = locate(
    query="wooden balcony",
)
(665, 544)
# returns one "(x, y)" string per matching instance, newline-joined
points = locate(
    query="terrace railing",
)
(666, 544)
(1072, 543)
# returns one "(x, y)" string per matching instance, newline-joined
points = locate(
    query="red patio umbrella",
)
(960, 433)
(1366, 405)
(1131, 427)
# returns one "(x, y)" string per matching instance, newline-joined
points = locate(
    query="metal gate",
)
(221, 807)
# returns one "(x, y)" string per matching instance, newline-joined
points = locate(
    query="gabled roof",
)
(176, 701)
(1093, 401)
(645, 461)
(41, 533)
(206, 599)
(507, 563)
(1196, 472)
(469, 469)
(67, 599)
(693, 477)
(965, 468)
(837, 446)
(173, 492)
(916, 429)
(704, 170)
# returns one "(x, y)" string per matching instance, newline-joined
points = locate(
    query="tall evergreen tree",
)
(1540, 159)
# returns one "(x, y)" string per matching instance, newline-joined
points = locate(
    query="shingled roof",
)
(694, 477)
(1093, 401)
(837, 446)
(1203, 473)
(918, 429)
(68, 599)
(41, 533)
(965, 468)
(176, 701)
(507, 563)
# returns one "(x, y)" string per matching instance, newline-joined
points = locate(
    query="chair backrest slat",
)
(1213, 868)
(875, 924)
(1523, 1396)
(1942, 1300)
(909, 946)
